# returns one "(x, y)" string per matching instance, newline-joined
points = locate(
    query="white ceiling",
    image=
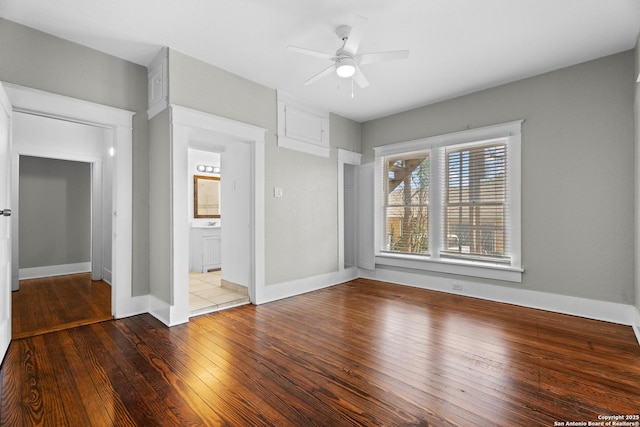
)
(457, 46)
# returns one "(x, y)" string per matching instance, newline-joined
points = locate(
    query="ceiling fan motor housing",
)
(343, 32)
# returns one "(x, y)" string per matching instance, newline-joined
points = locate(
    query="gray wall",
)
(577, 170)
(301, 228)
(345, 134)
(41, 61)
(159, 207)
(55, 212)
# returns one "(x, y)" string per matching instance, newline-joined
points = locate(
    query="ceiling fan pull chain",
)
(351, 87)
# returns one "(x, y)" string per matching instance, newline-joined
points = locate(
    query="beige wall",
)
(577, 170)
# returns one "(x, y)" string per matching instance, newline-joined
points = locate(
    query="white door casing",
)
(118, 125)
(185, 121)
(5, 224)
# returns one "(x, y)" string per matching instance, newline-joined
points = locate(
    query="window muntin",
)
(498, 245)
(406, 203)
(475, 202)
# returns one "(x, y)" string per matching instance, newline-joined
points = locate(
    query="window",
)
(451, 203)
(407, 203)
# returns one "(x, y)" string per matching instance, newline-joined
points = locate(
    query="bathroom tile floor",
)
(206, 293)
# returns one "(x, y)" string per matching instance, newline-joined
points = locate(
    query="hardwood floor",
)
(360, 353)
(56, 303)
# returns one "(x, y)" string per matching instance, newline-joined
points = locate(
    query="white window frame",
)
(512, 131)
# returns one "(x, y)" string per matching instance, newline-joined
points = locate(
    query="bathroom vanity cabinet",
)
(205, 248)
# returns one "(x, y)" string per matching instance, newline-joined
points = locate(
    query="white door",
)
(5, 225)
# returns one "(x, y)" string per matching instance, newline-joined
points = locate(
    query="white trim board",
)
(119, 125)
(54, 270)
(636, 326)
(184, 122)
(161, 310)
(623, 314)
(309, 284)
(39, 102)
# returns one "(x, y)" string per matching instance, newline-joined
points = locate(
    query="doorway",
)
(243, 149)
(59, 232)
(350, 216)
(348, 197)
(116, 128)
(209, 286)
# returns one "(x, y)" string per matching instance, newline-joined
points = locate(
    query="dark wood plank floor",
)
(55, 303)
(360, 353)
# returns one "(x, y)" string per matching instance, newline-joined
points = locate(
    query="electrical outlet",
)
(458, 287)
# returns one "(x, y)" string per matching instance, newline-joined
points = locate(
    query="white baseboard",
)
(158, 309)
(582, 307)
(301, 286)
(106, 275)
(54, 270)
(624, 314)
(166, 313)
(134, 306)
(636, 325)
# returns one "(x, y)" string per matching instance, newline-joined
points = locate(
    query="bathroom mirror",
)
(206, 196)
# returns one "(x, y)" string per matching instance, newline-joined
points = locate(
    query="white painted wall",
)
(56, 138)
(235, 213)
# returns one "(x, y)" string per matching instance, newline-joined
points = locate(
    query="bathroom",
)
(208, 288)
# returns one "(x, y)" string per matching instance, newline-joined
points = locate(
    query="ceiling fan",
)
(347, 61)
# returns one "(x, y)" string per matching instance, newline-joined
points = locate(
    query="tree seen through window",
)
(407, 207)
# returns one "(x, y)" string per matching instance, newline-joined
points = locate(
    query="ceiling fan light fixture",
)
(345, 67)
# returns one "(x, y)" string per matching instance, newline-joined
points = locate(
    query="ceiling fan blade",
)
(371, 58)
(355, 36)
(320, 75)
(360, 79)
(310, 52)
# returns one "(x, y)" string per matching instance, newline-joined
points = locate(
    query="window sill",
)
(464, 268)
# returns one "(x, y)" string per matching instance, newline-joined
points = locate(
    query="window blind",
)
(476, 202)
